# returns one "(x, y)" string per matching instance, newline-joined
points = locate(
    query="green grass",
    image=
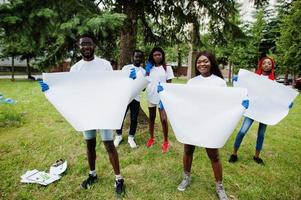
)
(35, 135)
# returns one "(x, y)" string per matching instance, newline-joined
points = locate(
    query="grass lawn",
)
(33, 135)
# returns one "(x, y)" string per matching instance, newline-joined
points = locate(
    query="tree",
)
(289, 42)
(47, 30)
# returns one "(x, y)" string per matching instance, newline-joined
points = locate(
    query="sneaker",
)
(165, 147)
(118, 140)
(150, 142)
(86, 184)
(119, 187)
(132, 142)
(221, 191)
(258, 160)
(185, 183)
(233, 158)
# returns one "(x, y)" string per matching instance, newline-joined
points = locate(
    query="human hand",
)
(133, 74)
(44, 86)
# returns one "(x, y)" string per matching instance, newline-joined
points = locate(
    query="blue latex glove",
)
(234, 78)
(291, 105)
(159, 88)
(161, 105)
(245, 103)
(148, 66)
(9, 101)
(133, 74)
(44, 86)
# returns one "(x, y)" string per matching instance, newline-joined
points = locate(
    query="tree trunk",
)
(28, 70)
(13, 68)
(286, 77)
(194, 45)
(128, 33)
(230, 73)
(179, 60)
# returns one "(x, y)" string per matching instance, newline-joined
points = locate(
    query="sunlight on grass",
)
(33, 135)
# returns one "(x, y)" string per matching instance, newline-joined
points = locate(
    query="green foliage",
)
(48, 30)
(289, 41)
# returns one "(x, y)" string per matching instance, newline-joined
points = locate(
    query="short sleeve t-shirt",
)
(128, 68)
(97, 64)
(212, 80)
(156, 75)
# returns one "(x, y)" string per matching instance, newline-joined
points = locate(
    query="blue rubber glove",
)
(291, 105)
(234, 78)
(148, 66)
(44, 86)
(159, 88)
(9, 101)
(245, 103)
(161, 105)
(133, 74)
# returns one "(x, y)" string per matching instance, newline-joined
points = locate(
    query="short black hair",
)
(137, 51)
(88, 35)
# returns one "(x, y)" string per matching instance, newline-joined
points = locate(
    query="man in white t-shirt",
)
(134, 106)
(90, 62)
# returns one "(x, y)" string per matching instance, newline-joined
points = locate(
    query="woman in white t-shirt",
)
(208, 74)
(157, 71)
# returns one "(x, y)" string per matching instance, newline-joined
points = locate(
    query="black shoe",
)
(120, 188)
(258, 160)
(86, 184)
(233, 158)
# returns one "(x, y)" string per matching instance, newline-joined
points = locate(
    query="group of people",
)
(156, 71)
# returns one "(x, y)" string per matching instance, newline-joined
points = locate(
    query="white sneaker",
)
(132, 142)
(117, 141)
(185, 183)
(221, 191)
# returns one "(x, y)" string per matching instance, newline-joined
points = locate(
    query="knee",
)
(110, 147)
(91, 144)
(188, 150)
(213, 155)
(152, 117)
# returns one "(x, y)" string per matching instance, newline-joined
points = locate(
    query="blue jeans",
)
(244, 129)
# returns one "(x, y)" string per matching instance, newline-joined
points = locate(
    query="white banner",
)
(269, 100)
(93, 100)
(203, 116)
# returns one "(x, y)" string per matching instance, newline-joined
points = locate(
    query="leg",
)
(188, 157)
(113, 156)
(260, 138)
(259, 142)
(119, 131)
(187, 162)
(216, 164)
(90, 137)
(152, 117)
(243, 130)
(107, 138)
(134, 108)
(163, 118)
(91, 153)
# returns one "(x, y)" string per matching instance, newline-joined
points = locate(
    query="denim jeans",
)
(244, 129)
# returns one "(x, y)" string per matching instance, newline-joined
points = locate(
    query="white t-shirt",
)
(156, 75)
(97, 64)
(128, 68)
(212, 80)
